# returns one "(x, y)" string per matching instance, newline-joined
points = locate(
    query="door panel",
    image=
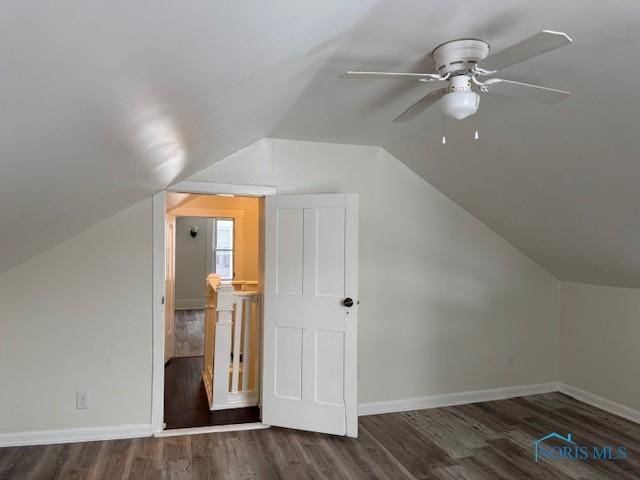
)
(329, 232)
(289, 251)
(288, 353)
(330, 373)
(310, 354)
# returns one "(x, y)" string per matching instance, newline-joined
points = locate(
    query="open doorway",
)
(307, 305)
(212, 310)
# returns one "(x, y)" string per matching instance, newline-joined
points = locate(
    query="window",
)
(223, 247)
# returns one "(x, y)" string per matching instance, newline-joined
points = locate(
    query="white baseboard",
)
(600, 402)
(189, 303)
(461, 398)
(73, 435)
(451, 399)
(90, 434)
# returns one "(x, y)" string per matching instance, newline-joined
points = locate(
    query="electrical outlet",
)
(511, 360)
(82, 401)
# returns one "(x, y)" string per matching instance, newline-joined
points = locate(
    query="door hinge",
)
(163, 300)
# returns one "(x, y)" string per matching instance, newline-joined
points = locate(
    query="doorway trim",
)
(158, 272)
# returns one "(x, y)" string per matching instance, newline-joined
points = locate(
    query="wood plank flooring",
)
(189, 333)
(484, 441)
(185, 399)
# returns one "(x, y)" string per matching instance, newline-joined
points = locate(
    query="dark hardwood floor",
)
(185, 399)
(189, 333)
(484, 441)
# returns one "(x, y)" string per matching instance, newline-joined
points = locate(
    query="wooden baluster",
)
(246, 344)
(237, 335)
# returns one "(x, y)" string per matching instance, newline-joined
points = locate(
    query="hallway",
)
(189, 336)
(185, 398)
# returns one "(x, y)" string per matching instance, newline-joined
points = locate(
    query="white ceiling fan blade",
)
(540, 43)
(509, 88)
(422, 77)
(420, 106)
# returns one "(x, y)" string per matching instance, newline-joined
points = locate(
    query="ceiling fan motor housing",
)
(459, 56)
(460, 83)
(458, 59)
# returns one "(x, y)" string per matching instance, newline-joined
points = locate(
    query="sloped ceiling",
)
(104, 103)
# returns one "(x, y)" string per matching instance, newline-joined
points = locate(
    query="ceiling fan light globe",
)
(460, 105)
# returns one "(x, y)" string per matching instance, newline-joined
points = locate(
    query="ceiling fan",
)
(463, 64)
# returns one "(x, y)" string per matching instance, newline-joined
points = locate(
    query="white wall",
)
(444, 299)
(191, 265)
(600, 341)
(78, 318)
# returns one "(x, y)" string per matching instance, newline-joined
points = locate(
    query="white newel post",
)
(222, 351)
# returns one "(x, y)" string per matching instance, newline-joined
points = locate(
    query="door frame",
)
(158, 273)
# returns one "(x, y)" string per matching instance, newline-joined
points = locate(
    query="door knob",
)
(348, 302)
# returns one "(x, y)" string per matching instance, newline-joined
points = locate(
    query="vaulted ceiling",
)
(104, 103)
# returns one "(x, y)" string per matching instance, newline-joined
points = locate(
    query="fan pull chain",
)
(444, 138)
(476, 121)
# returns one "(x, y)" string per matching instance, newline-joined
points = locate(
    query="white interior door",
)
(310, 313)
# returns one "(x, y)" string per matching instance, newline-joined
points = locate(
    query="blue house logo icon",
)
(539, 449)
